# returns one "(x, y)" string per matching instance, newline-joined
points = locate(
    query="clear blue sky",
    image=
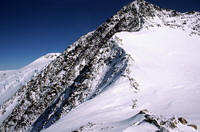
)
(32, 28)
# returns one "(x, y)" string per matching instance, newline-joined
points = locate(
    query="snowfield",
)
(166, 67)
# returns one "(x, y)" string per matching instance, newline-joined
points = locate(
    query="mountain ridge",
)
(75, 76)
(20, 74)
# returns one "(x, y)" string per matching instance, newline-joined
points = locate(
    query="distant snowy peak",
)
(46, 58)
(12, 80)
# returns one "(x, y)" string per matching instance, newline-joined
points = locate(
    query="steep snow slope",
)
(96, 76)
(12, 80)
(167, 69)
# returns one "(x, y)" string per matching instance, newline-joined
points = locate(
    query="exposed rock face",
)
(72, 77)
(193, 126)
(83, 70)
(140, 119)
(182, 120)
(163, 125)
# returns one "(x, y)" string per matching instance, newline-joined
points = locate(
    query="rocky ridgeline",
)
(144, 117)
(163, 125)
(81, 72)
(72, 77)
(188, 21)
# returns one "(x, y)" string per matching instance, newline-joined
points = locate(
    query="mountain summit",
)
(143, 57)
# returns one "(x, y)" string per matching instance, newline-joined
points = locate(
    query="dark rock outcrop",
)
(66, 82)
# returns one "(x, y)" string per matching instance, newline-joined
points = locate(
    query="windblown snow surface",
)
(12, 80)
(166, 66)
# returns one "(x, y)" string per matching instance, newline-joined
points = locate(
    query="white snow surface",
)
(166, 67)
(12, 80)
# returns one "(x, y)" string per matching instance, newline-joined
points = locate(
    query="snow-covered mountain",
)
(13, 80)
(138, 71)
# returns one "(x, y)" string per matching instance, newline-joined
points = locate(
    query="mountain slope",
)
(12, 80)
(166, 69)
(98, 69)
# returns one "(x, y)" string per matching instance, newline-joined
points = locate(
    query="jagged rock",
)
(152, 120)
(145, 111)
(163, 125)
(182, 120)
(193, 126)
